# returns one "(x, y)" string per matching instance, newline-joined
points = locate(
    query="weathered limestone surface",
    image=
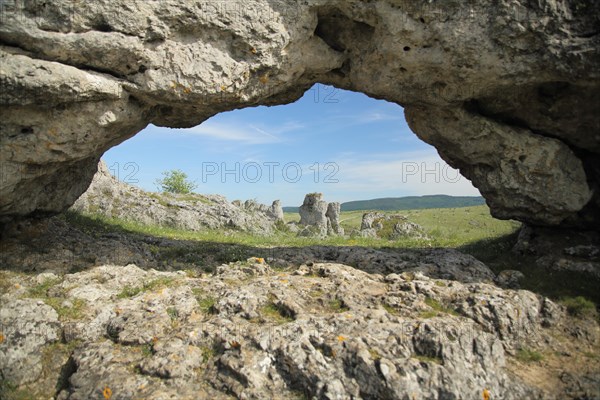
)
(193, 212)
(319, 331)
(319, 218)
(507, 91)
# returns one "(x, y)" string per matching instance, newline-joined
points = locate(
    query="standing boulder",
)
(276, 211)
(313, 215)
(318, 218)
(333, 219)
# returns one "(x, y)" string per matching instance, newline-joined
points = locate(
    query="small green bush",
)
(528, 355)
(437, 308)
(131, 291)
(175, 181)
(579, 306)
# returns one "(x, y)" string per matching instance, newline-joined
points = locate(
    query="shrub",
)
(579, 306)
(175, 181)
(528, 355)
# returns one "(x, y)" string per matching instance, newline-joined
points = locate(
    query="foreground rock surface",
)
(516, 81)
(60, 245)
(194, 212)
(318, 331)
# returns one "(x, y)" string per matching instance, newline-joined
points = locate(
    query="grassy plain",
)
(472, 230)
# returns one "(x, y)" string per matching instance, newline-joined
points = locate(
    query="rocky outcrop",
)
(276, 210)
(391, 227)
(561, 252)
(506, 91)
(333, 219)
(322, 330)
(319, 218)
(110, 197)
(30, 326)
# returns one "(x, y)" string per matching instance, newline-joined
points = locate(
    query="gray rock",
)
(561, 249)
(333, 219)
(276, 211)
(376, 224)
(27, 326)
(326, 330)
(509, 279)
(464, 72)
(110, 197)
(368, 220)
(319, 218)
(313, 215)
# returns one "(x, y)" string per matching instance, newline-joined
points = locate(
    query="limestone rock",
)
(376, 224)
(112, 198)
(27, 326)
(319, 218)
(509, 279)
(567, 251)
(526, 163)
(506, 91)
(276, 210)
(325, 330)
(333, 219)
(313, 215)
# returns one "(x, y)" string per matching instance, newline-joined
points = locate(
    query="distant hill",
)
(408, 203)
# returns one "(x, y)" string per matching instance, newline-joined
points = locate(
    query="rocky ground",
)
(195, 212)
(80, 321)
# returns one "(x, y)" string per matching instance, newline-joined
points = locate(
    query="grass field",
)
(447, 227)
(472, 230)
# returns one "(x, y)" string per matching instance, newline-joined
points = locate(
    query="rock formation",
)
(323, 331)
(319, 218)
(276, 210)
(333, 219)
(195, 319)
(195, 212)
(313, 215)
(508, 92)
(376, 224)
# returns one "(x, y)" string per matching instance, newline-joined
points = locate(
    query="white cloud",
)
(416, 173)
(240, 133)
(376, 116)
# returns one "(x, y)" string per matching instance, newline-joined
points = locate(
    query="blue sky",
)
(343, 144)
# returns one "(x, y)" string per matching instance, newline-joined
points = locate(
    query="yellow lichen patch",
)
(107, 393)
(1, 337)
(486, 394)
(264, 79)
(341, 338)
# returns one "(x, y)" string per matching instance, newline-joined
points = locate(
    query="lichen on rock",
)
(508, 93)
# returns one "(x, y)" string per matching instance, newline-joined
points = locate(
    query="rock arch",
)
(509, 94)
